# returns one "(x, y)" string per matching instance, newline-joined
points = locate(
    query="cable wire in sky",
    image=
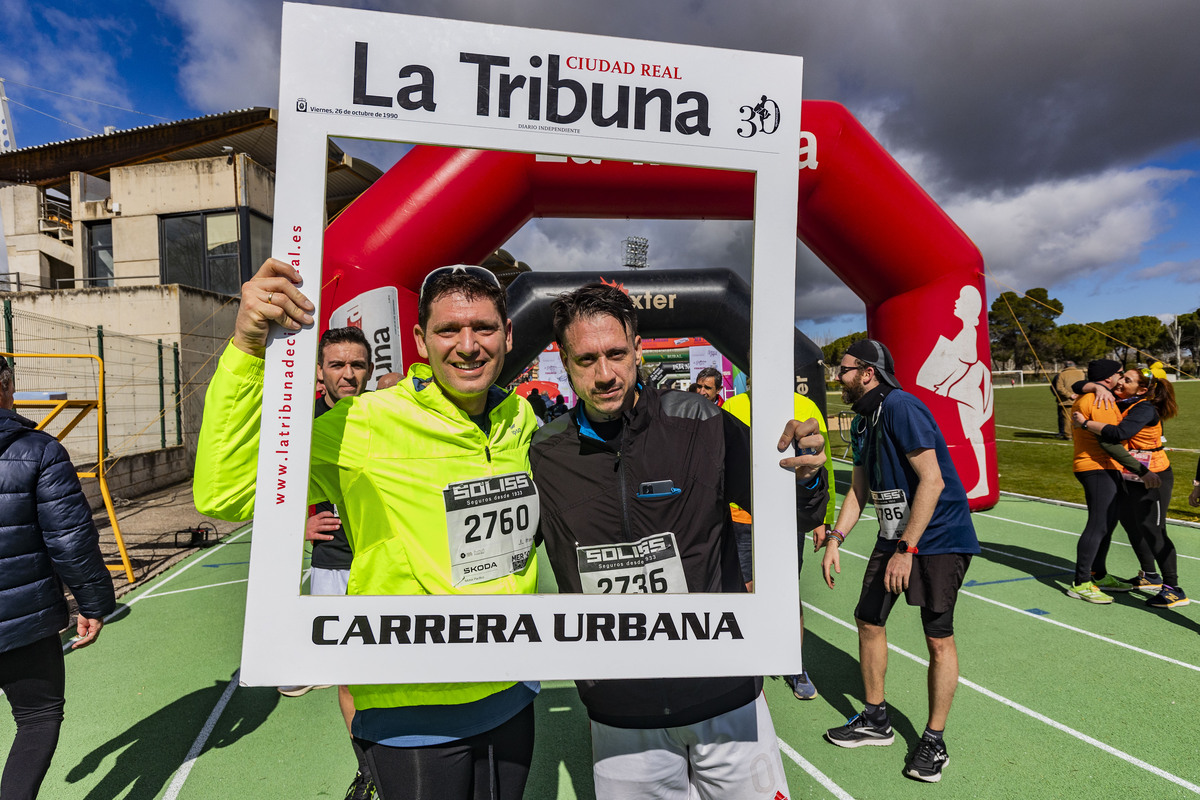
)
(84, 99)
(56, 119)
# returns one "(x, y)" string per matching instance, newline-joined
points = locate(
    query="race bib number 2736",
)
(649, 566)
(490, 524)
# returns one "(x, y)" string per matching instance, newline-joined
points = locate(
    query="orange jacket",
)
(1089, 455)
(1148, 439)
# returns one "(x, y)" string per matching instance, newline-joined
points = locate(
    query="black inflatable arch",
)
(713, 303)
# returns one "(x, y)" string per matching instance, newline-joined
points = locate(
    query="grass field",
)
(1034, 461)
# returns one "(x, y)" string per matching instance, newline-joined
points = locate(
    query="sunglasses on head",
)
(475, 272)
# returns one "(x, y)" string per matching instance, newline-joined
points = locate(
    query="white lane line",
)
(1059, 530)
(1049, 621)
(1032, 430)
(1081, 736)
(1023, 558)
(1072, 628)
(176, 573)
(1181, 523)
(198, 588)
(181, 775)
(808, 767)
(123, 608)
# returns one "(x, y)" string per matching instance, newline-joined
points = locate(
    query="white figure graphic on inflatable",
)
(953, 370)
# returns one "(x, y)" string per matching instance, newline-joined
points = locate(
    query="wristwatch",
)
(904, 547)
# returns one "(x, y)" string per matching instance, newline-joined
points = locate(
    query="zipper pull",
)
(487, 452)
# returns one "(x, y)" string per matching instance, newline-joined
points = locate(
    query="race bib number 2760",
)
(490, 524)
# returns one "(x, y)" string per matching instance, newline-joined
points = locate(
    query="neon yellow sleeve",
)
(341, 441)
(805, 408)
(227, 453)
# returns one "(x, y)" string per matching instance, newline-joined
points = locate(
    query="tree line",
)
(1017, 322)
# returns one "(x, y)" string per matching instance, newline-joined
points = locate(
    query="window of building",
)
(260, 240)
(214, 250)
(100, 254)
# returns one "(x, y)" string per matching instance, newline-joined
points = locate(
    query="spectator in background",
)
(558, 409)
(709, 384)
(538, 402)
(387, 380)
(694, 388)
(47, 538)
(1194, 497)
(1065, 396)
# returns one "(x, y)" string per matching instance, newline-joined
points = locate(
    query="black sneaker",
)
(927, 761)
(1168, 597)
(1146, 581)
(859, 731)
(363, 788)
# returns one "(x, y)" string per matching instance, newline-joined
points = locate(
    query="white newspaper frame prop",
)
(316, 102)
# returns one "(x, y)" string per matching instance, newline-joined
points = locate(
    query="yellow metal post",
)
(84, 407)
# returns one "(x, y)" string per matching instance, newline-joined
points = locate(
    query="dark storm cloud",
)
(995, 94)
(1030, 121)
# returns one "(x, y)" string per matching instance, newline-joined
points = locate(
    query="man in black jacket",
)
(47, 538)
(653, 472)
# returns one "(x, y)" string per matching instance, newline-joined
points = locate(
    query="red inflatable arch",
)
(919, 275)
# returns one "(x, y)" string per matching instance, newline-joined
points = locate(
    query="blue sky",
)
(1062, 135)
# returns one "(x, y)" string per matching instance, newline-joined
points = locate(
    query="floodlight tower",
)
(637, 249)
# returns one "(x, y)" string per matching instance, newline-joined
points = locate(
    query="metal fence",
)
(141, 383)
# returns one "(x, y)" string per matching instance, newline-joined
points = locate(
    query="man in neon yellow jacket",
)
(392, 461)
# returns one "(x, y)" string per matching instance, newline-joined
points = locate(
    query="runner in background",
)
(803, 408)
(923, 549)
(1146, 399)
(1100, 476)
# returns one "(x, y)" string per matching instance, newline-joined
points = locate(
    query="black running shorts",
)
(933, 585)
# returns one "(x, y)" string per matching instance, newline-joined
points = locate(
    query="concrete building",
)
(184, 202)
(148, 232)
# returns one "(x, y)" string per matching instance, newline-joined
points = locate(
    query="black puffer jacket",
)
(698, 461)
(46, 538)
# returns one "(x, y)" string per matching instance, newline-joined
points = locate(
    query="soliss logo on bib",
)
(490, 524)
(891, 507)
(649, 566)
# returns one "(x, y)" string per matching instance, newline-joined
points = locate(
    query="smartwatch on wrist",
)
(904, 547)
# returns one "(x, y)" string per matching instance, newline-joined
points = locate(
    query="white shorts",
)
(328, 581)
(732, 756)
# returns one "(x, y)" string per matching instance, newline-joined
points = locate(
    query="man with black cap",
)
(1100, 476)
(924, 546)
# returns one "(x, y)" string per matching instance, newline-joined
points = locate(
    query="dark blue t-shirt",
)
(882, 438)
